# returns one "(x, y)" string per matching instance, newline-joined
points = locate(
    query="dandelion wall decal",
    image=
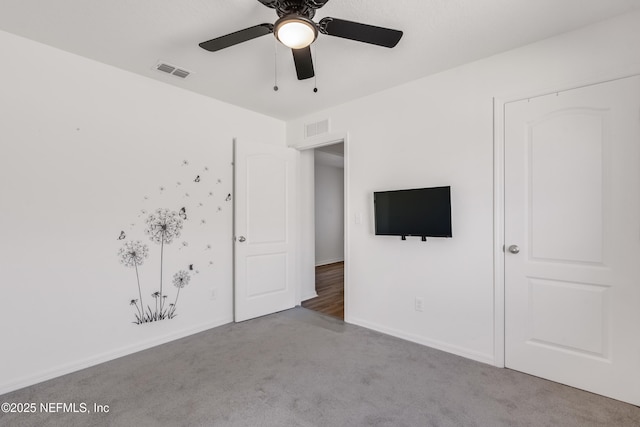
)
(180, 280)
(139, 315)
(162, 227)
(155, 316)
(133, 254)
(228, 198)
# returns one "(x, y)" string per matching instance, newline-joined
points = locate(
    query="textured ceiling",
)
(438, 34)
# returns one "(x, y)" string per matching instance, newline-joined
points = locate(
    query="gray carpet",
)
(299, 368)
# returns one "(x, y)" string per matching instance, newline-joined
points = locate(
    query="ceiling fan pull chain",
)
(315, 75)
(275, 66)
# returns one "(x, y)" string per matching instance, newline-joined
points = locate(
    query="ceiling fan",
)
(295, 29)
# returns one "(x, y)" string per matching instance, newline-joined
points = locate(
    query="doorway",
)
(329, 230)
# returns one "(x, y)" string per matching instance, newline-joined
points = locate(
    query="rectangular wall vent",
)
(171, 69)
(317, 128)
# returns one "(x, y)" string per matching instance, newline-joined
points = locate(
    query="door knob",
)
(241, 239)
(514, 249)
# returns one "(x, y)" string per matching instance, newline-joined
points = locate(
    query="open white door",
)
(572, 234)
(264, 229)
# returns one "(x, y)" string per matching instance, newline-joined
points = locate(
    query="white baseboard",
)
(304, 298)
(459, 351)
(329, 261)
(105, 357)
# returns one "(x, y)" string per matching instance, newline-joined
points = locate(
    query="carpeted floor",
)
(300, 368)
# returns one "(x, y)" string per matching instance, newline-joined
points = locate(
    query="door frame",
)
(321, 141)
(499, 105)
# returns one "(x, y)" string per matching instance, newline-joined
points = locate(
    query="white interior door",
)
(264, 229)
(572, 209)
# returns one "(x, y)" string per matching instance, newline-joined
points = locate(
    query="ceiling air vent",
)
(317, 128)
(170, 69)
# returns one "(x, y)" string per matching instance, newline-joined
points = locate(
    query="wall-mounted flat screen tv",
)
(424, 212)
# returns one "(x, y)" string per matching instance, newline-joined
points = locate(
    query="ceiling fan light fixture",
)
(295, 31)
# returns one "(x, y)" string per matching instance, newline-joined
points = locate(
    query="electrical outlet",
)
(213, 294)
(419, 304)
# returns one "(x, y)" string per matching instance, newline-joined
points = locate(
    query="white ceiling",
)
(438, 34)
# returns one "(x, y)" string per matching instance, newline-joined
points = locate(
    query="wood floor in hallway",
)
(330, 290)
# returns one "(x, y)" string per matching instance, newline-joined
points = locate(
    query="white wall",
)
(329, 213)
(439, 131)
(84, 149)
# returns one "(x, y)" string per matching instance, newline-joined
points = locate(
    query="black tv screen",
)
(422, 212)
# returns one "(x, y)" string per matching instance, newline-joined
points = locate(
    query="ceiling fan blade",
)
(304, 63)
(232, 39)
(360, 32)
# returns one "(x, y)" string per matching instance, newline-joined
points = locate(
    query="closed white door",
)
(264, 229)
(572, 238)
